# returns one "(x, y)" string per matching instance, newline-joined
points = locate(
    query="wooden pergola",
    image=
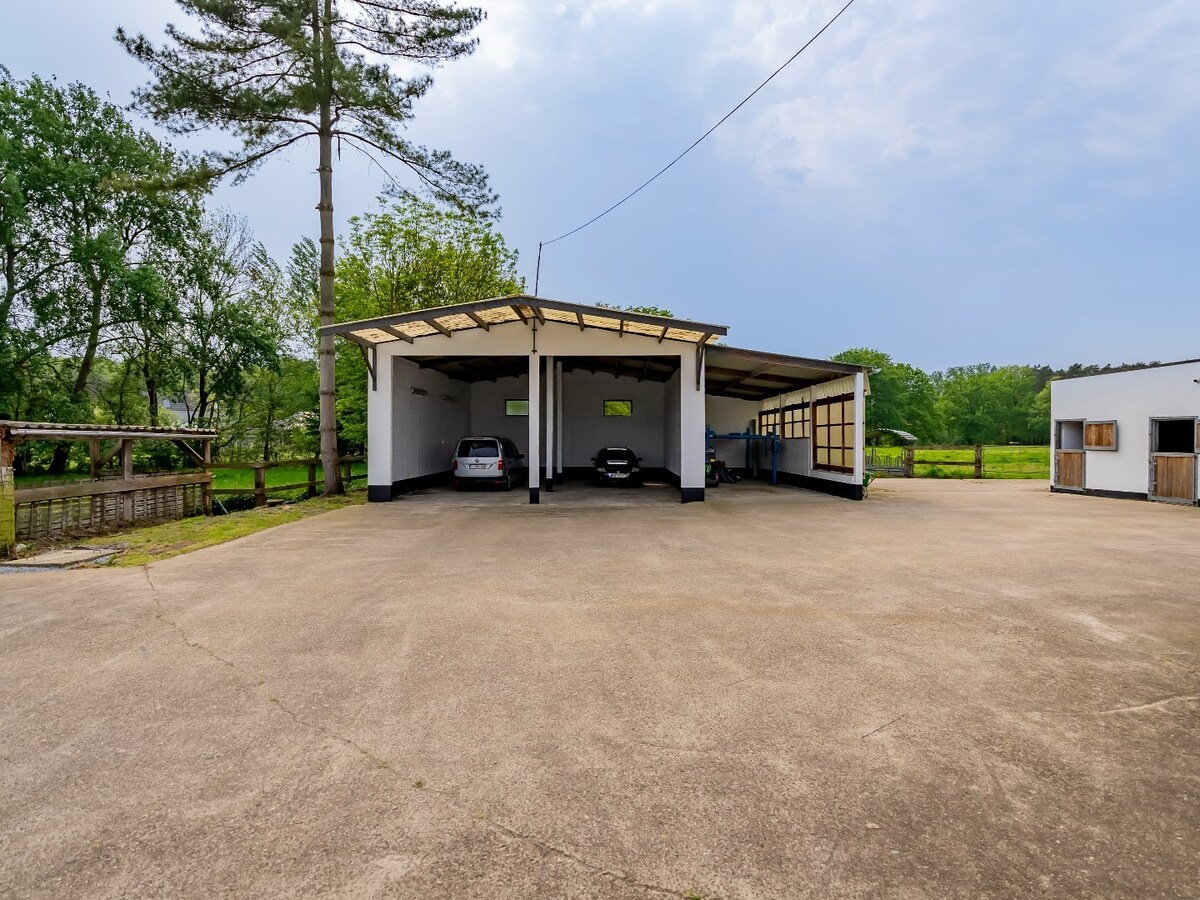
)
(59, 506)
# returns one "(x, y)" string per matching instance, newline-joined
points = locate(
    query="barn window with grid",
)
(833, 433)
(795, 421)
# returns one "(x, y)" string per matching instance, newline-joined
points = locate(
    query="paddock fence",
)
(972, 461)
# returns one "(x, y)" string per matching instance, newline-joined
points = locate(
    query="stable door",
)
(1068, 455)
(1173, 460)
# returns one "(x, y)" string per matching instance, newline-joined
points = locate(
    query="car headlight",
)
(601, 469)
(635, 470)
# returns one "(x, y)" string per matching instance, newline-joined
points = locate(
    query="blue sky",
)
(998, 180)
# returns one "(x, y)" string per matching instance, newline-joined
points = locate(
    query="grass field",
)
(222, 478)
(154, 542)
(1002, 461)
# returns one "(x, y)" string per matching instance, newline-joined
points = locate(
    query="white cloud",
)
(1018, 94)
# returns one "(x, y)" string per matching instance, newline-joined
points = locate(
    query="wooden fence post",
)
(127, 476)
(8, 511)
(312, 479)
(206, 491)
(979, 460)
(94, 457)
(346, 469)
(260, 485)
(910, 456)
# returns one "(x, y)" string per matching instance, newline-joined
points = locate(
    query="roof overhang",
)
(757, 375)
(484, 314)
(39, 431)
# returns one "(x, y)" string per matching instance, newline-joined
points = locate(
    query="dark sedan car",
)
(616, 465)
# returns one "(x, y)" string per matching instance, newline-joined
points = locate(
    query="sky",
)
(1005, 181)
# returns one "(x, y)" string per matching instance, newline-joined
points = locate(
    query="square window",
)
(618, 407)
(516, 407)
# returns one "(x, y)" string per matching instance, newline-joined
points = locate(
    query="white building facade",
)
(1131, 434)
(548, 375)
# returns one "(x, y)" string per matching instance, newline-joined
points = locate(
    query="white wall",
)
(1132, 399)
(729, 415)
(586, 429)
(487, 409)
(671, 426)
(425, 427)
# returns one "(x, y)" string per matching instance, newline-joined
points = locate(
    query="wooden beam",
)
(191, 453)
(396, 333)
(663, 336)
(103, 488)
(435, 324)
(579, 318)
(517, 309)
(478, 321)
(369, 358)
(621, 330)
(537, 311)
(748, 376)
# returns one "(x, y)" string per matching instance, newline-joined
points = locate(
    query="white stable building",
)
(1130, 434)
(563, 380)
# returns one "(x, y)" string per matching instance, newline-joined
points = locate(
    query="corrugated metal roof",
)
(80, 432)
(483, 314)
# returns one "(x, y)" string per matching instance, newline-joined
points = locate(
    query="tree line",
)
(976, 404)
(128, 305)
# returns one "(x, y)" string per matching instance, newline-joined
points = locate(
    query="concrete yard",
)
(952, 689)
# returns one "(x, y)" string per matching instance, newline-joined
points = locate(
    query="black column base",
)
(534, 495)
(379, 493)
(691, 495)
(550, 484)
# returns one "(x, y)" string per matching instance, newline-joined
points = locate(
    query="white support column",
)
(551, 416)
(535, 427)
(860, 428)
(558, 426)
(691, 426)
(380, 428)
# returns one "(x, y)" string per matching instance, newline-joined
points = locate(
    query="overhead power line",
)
(645, 184)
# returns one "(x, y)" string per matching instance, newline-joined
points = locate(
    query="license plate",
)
(618, 475)
(477, 465)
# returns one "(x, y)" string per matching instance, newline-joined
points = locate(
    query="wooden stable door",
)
(1173, 478)
(1173, 446)
(1068, 469)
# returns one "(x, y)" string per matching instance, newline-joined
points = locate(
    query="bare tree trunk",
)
(326, 357)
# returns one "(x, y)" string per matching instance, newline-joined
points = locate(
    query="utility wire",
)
(693, 146)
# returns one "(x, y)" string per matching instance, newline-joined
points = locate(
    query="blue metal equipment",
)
(772, 439)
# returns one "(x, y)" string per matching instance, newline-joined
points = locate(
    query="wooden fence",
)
(901, 460)
(261, 489)
(64, 508)
(58, 508)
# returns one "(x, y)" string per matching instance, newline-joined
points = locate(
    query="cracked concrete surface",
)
(949, 690)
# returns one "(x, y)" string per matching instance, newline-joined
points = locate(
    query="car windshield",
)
(616, 454)
(471, 447)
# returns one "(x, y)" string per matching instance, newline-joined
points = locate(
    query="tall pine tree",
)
(279, 72)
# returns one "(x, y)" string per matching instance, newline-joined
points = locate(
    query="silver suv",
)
(487, 460)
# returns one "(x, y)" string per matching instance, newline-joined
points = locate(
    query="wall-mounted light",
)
(447, 398)
(420, 392)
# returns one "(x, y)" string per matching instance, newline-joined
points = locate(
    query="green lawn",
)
(244, 478)
(222, 478)
(154, 542)
(1001, 461)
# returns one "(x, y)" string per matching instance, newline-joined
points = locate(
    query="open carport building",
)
(563, 380)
